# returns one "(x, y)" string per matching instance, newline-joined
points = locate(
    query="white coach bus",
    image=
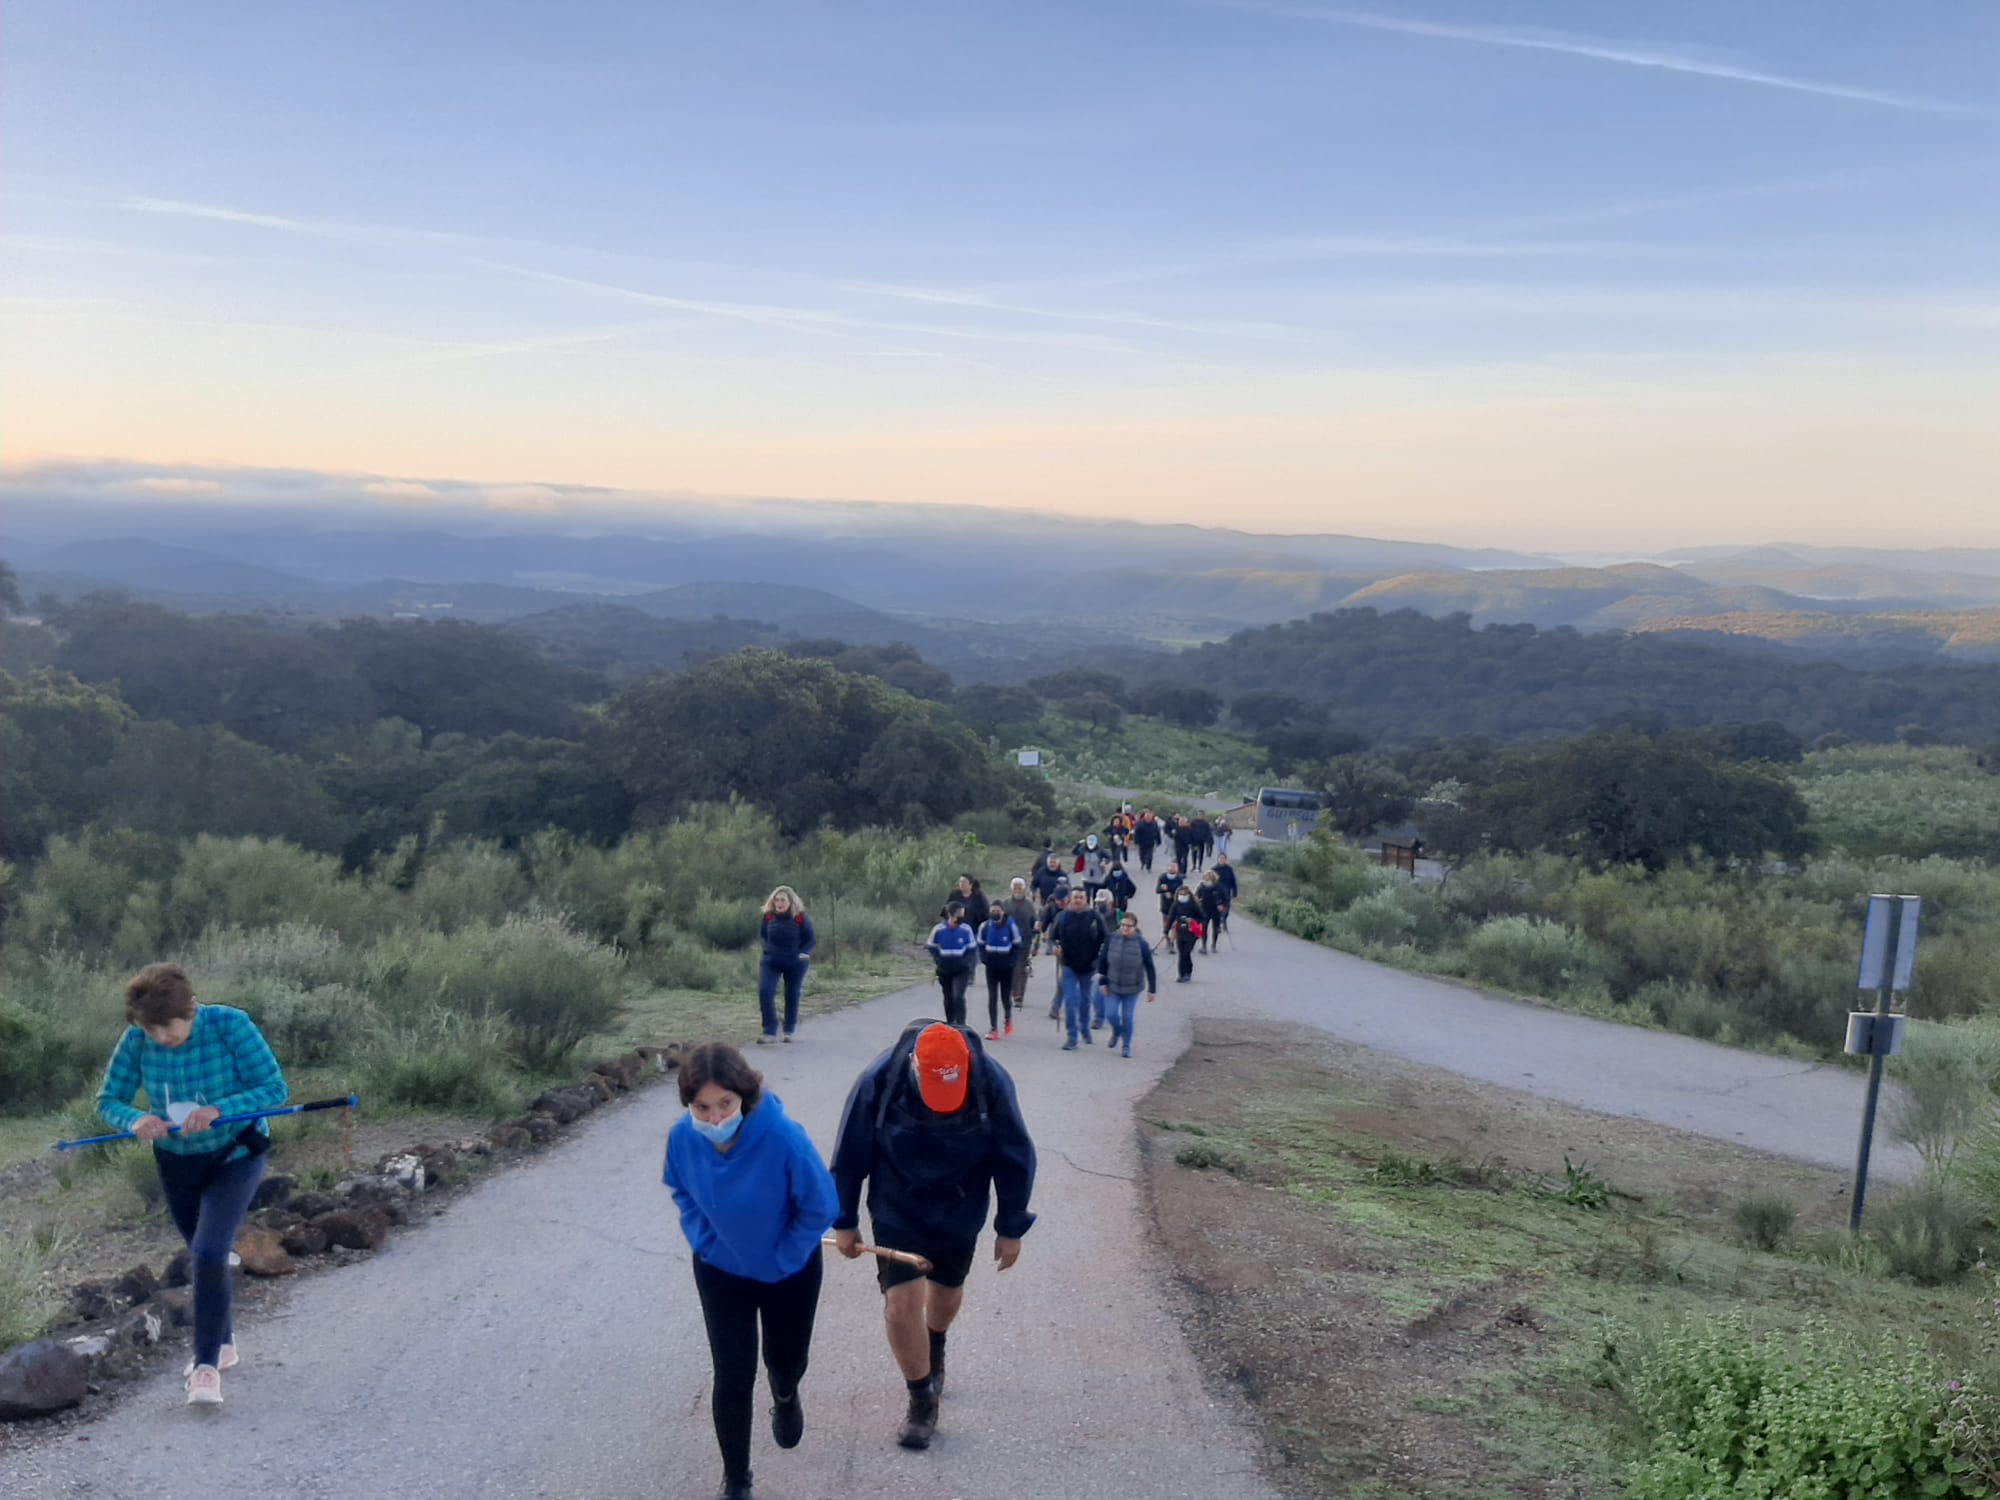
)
(1286, 812)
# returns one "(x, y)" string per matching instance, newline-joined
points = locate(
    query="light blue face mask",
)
(718, 1133)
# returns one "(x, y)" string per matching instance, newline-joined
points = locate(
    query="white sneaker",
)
(204, 1386)
(226, 1360)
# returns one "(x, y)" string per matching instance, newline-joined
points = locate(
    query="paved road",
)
(542, 1341)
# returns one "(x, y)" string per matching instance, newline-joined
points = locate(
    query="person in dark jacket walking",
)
(1184, 930)
(1166, 888)
(785, 934)
(1201, 838)
(1078, 936)
(934, 1128)
(1182, 833)
(1146, 837)
(1051, 914)
(1047, 876)
(754, 1199)
(1208, 896)
(1026, 916)
(1127, 959)
(1000, 948)
(970, 900)
(1225, 874)
(1121, 886)
(955, 950)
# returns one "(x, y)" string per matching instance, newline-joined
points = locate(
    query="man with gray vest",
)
(1126, 961)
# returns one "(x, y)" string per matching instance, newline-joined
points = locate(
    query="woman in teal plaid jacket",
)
(196, 1063)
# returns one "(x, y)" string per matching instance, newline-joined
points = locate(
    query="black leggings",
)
(1186, 945)
(953, 983)
(999, 995)
(731, 1306)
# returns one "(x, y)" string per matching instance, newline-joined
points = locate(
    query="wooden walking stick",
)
(907, 1257)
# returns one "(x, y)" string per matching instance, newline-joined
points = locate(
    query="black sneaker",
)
(921, 1424)
(734, 1489)
(788, 1420)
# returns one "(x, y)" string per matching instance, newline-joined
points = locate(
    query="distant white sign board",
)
(1887, 914)
(1029, 758)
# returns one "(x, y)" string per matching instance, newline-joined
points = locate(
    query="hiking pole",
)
(907, 1257)
(350, 1101)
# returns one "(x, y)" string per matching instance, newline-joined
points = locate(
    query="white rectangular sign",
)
(1875, 943)
(1028, 758)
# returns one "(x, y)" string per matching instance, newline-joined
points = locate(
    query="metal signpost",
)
(1888, 960)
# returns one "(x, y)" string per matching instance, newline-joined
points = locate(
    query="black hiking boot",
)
(734, 1488)
(788, 1420)
(921, 1424)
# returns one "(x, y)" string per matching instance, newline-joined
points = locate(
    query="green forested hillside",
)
(1405, 676)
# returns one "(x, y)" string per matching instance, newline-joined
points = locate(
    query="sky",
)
(1570, 274)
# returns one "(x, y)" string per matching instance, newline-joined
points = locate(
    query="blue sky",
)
(1592, 274)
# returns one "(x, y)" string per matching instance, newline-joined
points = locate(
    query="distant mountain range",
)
(976, 591)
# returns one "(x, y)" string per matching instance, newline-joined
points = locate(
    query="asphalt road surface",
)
(542, 1341)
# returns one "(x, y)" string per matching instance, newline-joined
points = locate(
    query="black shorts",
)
(951, 1260)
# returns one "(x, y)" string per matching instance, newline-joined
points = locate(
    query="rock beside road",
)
(263, 1253)
(38, 1378)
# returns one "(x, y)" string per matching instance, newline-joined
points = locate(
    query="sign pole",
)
(1877, 1046)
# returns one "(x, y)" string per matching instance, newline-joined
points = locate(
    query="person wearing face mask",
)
(954, 947)
(196, 1062)
(754, 1200)
(1184, 930)
(933, 1127)
(785, 934)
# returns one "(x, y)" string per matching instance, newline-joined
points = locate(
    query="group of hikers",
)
(932, 1128)
(1079, 910)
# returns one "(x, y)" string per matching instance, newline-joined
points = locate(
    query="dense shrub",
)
(1929, 1232)
(1729, 1414)
(58, 1022)
(551, 985)
(1766, 1219)
(441, 1059)
(1534, 956)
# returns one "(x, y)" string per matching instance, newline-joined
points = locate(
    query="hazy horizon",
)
(1539, 276)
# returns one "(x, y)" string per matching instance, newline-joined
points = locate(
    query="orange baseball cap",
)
(943, 1064)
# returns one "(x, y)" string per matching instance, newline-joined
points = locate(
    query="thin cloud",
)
(1631, 56)
(399, 489)
(179, 486)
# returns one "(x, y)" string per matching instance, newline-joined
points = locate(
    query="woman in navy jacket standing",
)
(785, 934)
(754, 1200)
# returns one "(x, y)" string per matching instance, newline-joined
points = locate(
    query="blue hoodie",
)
(758, 1209)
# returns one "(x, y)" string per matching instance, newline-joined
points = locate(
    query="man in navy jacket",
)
(935, 1130)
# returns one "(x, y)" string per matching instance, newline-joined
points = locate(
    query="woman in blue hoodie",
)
(785, 934)
(754, 1199)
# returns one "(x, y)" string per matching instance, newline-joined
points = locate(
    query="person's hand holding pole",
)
(848, 1243)
(200, 1120)
(149, 1128)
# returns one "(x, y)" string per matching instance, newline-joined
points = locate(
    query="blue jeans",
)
(208, 1217)
(1079, 992)
(794, 972)
(1123, 1008)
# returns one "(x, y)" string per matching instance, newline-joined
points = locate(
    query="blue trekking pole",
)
(351, 1101)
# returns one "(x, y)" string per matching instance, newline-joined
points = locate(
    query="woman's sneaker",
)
(1008, 1030)
(204, 1386)
(226, 1360)
(994, 1036)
